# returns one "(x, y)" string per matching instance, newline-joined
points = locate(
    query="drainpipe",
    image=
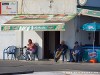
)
(21, 39)
(22, 6)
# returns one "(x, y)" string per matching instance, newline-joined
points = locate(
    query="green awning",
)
(35, 27)
(89, 12)
(37, 22)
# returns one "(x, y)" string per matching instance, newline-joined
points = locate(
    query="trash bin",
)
(89, 53)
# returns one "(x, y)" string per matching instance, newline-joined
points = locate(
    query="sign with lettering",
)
(89, 12)
(59, 27)
(9, 7)
(91, 53)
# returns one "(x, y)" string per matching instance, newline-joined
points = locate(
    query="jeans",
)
(35, 54)
(29, 55)
(78, 57)
(64, 55)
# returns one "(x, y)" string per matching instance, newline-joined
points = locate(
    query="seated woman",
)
(30, 50)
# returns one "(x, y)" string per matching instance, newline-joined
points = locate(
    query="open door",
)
(57, 39)
(46, 45)
(97, 38)
(51, 41)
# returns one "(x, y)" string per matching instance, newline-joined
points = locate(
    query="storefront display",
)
(89, 53)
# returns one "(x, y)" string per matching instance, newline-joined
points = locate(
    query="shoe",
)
(55, 59)
(27, 59)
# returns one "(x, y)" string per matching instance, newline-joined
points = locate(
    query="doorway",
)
(96, 38)
(51, 41)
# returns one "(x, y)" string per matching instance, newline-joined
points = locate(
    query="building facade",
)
(90, 10)
(47, 40)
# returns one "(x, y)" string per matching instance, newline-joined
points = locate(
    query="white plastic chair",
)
(11, 50)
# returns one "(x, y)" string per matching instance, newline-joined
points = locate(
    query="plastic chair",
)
(11, 50)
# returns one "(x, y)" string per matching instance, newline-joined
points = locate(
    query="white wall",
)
(8, 39)
(69, 35)
(43, 7)
(18, 38)
(36, 37)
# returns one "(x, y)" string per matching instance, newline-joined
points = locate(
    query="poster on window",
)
(9, 7)
(92, 53)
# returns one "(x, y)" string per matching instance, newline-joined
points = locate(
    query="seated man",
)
(61, 50)
(77, 52)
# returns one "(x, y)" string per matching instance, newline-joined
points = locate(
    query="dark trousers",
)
(71, 56)
(64, 55)
(79, 57)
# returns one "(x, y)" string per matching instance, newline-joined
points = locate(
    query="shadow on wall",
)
(38, 49)
(39, 34)
(37, 37)
(40, 44)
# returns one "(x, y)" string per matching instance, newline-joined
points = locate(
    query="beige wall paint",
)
(69, 35)
(42, 7)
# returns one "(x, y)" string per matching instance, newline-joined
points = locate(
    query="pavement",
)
(47, 66)
(63, 73)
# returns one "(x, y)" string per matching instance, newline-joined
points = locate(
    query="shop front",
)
(46, 30)
(90, 16)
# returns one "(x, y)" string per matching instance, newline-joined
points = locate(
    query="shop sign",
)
(88, 12)
(9, 7)
(36, 28)
(91, 12)
(91, 53)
